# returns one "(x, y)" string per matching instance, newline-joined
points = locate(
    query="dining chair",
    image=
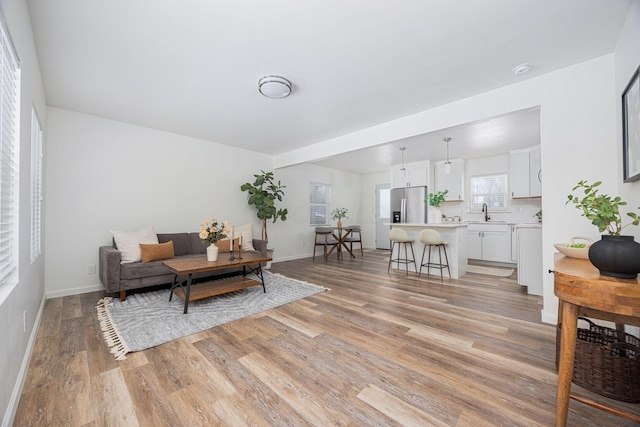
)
(399, 237)
(354, 237)
(324, 237)
(432, 238)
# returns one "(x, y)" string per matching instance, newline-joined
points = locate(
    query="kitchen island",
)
(454, 233)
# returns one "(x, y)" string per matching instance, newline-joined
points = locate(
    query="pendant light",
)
(447, 164)
(403, 171)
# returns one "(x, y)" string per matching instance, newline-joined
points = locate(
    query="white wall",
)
(627, 60)
(104, 175)
(294, 239)
(27, 295)
(577, 130)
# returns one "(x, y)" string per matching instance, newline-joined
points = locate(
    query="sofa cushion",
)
(151, 252)
(128, 242)
(198, 246)
(139, 270)
(181, 245)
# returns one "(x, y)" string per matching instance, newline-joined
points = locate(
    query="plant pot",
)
(616, 256)
(268, 263)
(212, 252)
(434, 215)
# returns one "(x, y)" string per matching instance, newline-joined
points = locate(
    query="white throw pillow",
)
(246, 231)
(128, 242)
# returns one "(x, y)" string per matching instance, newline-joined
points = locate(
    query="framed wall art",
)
(631, 129)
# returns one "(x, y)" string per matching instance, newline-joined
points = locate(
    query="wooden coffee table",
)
(251, 262)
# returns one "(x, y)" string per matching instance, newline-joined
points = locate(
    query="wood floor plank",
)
(377, 349)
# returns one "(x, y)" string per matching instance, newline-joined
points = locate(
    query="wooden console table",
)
(583, 291)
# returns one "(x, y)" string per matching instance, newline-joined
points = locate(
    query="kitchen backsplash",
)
(519, 211)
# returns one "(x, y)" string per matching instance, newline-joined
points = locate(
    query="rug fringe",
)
(299, 281)
(109, 331)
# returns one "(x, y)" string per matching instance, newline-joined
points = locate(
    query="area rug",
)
(148, 319)
(490, 271)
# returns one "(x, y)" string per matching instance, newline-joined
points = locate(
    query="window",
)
(36, 185)
(319, 200)
(489, 189)
(9, 126)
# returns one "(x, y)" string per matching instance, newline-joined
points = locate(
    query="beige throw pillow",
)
(128, 242)
(225, 246)
(246, 231)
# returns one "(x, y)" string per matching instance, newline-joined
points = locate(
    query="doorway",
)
(383, 212)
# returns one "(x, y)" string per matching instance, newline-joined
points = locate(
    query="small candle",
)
(232, 238)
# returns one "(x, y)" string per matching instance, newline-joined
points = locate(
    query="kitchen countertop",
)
(433, 225)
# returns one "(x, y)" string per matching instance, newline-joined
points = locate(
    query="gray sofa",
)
(120, 278)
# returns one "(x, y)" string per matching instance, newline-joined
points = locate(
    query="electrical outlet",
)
(24, 321)
(91, 269)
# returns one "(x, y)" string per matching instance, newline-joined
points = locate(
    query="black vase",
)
(616, 256)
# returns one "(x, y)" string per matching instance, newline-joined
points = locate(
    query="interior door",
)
(383, 212)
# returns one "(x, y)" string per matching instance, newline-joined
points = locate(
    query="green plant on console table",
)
(263, 194)
(339, 213)
(437, 198)
(601, 209)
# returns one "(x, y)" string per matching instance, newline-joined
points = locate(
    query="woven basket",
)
(606, 362)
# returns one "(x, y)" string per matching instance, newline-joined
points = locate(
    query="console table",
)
(583, 291)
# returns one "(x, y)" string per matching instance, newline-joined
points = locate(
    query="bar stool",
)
(324, 237)
(432, 238)
(399, 237)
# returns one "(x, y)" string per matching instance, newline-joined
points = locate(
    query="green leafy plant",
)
(437, 198)
(339, 213)
(538, 215)
(602, 210)
(263, 194)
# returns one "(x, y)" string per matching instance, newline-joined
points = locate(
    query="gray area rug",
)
(149, 319)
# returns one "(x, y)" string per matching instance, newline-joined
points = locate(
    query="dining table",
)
(341, 234)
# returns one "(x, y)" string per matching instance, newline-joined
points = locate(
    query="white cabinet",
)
(489, 242)
(416, 175)
(525, 172)
(514, 243)
(453, 181)
(530, 259)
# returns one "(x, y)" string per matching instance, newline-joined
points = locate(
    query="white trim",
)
(74, 291)
(10, 415)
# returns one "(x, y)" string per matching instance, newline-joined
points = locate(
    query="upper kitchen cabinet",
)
(416, 175)
(452, 181)
(525, 172)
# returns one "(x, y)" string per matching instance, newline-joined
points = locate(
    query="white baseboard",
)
(74, 291)
(550, 317)
(10, 415)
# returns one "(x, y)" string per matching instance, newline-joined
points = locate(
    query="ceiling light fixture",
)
(447, 164)
(274, 87)
(521, 69)
(403, 171)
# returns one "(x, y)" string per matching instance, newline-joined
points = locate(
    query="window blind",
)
(319, 198)
(9, 107)
(489, 189)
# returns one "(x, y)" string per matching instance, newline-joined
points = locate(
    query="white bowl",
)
(582, 253)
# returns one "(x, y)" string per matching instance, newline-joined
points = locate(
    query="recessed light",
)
(521, 69)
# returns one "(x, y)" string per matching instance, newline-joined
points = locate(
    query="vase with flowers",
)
(615, 255)
(338, 214)
(213, 230)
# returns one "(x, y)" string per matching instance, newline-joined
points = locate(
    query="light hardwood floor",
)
(375, 350)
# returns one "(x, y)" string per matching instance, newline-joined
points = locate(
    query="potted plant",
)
(338, 214)
(615, 255)
(213, 230)
(435, 214)
(263, 194)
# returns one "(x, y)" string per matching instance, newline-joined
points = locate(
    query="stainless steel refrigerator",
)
(409, 205)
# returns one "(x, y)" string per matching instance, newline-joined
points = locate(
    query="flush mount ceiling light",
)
(447, 164)
(521, 69)
(403, 171)
(274, 87)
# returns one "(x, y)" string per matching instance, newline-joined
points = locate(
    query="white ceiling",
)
(191, 67)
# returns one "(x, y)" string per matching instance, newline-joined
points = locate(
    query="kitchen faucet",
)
(485, 209)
